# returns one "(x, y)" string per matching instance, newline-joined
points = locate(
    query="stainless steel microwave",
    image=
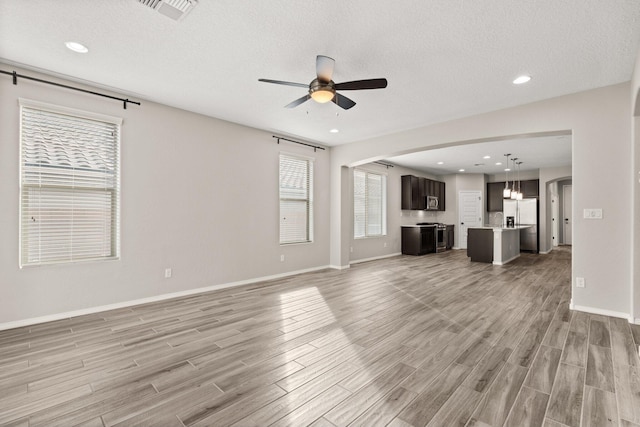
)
(431, 203)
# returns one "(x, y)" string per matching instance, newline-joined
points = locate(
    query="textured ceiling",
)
(443, 59)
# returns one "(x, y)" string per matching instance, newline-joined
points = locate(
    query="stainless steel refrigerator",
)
(525, 212)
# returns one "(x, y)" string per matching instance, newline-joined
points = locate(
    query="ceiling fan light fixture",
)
(321, 91)
(322, 95)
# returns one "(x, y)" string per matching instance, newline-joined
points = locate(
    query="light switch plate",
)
(592, 213)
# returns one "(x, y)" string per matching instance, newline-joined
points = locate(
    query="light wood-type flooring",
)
(406, 341)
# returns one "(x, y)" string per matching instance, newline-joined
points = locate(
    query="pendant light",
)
(520, 195)
(514, 192)
(506, 193)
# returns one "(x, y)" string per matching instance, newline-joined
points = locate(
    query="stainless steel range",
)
(440, 235)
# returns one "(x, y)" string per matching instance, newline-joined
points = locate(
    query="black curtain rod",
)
(22, 76)
(384, 164)
(315, 147)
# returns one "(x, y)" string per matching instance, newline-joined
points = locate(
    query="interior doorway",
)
(567, 223)
(469, 214)
(555, 219)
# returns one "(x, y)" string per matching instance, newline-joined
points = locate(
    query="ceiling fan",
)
(322, 89)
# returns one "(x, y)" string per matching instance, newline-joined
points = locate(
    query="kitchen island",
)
(497, 245)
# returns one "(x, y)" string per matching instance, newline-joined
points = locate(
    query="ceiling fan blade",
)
(280, 82)
(362, 84)
(324, 68)
(343, 102)
(298, 101)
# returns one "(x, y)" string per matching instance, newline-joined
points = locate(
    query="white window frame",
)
(283, 199)
(113, 190)
(365, 217)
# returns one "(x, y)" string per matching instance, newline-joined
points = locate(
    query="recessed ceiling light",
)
(521, 79)
(77, 47)
(498, 163)
(441, 163)
(334, 131)
(507, 170)
(460, 170)
(486, 157)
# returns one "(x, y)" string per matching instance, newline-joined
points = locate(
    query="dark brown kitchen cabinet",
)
(416, 189)
(494, 196)
(412, 192)
(441, 196)
(494, 193)
(418, 240)
(431, 188)
(530, 188)
(480, 244)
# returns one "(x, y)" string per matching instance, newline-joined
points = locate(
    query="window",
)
(69, 185)
(296, 199)
(369, 204)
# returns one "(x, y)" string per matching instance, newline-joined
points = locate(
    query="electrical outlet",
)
(580, 282)
(385, 244)
(351, 249)
(167, 273)
(281, 258)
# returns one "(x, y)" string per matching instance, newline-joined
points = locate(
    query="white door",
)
(469, 214)
(555, 215)
(566, 210)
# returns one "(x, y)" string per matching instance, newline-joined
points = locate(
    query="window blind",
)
(369, 204)
(296, 199)
(70, 182)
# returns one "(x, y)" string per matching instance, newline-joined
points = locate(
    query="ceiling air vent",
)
(174, 9)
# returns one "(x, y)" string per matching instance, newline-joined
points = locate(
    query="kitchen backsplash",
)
(495, 218)
(413, 217)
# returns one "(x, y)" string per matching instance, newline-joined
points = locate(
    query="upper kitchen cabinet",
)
(412, 192)
(416, 189)
(431, 188)
(529, 189)
(494, 196)
(441, 195)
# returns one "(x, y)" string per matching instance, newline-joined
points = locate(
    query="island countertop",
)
(498, 228)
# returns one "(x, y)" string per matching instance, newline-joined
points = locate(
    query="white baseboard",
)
(637, 321)
(356, 261)
(593, 310)
(92, 310)
(545, 252)
(507, 261)
(339, 267)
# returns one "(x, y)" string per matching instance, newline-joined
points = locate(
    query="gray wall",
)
(199, 195)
